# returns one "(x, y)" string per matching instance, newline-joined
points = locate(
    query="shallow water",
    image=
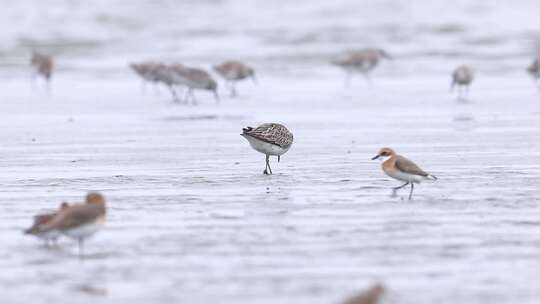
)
(191, 217)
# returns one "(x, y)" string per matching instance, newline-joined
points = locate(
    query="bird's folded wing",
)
(407, 166)
(73, 216)
(273, 133)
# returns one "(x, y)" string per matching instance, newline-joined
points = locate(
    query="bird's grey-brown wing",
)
(272, 133)
(74, 216)
(194, 74)
(39, 220)
(407, 166)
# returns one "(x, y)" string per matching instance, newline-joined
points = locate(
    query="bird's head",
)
(384, 153)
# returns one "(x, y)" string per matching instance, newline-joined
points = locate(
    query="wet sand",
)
(193, 219)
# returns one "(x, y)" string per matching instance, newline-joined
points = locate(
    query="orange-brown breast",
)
(389, 165)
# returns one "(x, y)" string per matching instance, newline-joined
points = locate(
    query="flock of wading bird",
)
(81, 221)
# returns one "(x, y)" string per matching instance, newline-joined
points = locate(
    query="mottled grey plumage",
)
(272, 133)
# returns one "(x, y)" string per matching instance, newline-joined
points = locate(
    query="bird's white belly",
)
(264, 147)
(49, 235)
(406, 177)
(83, 231)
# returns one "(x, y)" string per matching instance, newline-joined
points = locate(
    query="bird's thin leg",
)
(173, 92)
(266, 166)
(233, 89)
(48, 85)
(268, 161)
(216, 96)
(181, 93)
(397, 188)
(193, 99)
(185, 99)
(412, 188)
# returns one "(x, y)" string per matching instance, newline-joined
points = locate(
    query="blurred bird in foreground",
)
(360, 61)
(78, 221)
(372, 295)
(43, 65)
(462, 77)
(42, 219)
(234, 71)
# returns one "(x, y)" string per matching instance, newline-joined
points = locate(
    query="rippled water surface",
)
(191, 217)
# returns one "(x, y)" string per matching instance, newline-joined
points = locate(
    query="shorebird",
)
(360, 61)
(42, 219)
(269, 139)
(147, 71)
(43, 65)
(193, 79)
(372, 295)
(233, 71)
(168, 75)
(462, 77)
(403, 169)
(534, 70)
(79, 221)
